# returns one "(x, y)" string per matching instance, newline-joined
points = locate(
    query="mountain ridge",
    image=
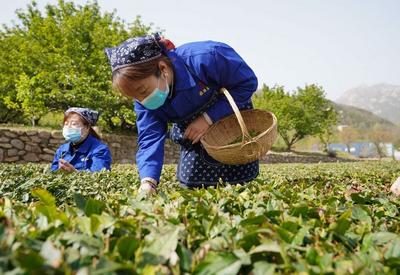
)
(381, 99)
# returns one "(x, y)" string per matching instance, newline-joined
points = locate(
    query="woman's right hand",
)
(196, 129)
(66, 166)
(147, 188)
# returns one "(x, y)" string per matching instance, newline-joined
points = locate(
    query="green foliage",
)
(31, 97)
(55, 59)
(304, 113)
(359, 118)
(294, 218)
(53, 120)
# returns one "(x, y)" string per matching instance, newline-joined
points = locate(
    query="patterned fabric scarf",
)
(89, 115)
(137, 50)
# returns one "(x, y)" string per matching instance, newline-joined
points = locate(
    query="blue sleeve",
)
(225, 68)
(101, 159)
(151, 139)
(54, 164)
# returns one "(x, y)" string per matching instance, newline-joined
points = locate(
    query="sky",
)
(337, 44)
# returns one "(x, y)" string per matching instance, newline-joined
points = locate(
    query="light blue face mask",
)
(157, 98)
(72, 134)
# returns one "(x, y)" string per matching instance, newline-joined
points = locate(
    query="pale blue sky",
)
(338, 44)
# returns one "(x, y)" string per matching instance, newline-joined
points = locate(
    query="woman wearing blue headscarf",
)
(83, 150)
(181, 85)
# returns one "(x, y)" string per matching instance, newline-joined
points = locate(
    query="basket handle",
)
(245, 132)
(253, 152)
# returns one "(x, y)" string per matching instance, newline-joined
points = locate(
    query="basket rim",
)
(229, 146)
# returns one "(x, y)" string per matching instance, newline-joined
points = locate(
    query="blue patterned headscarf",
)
(137, 50)
(89, 115)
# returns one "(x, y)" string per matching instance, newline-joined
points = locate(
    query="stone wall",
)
(22, 146)
(28, 146)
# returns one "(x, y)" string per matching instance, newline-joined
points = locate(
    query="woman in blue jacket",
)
(181, 85)
(84, 150)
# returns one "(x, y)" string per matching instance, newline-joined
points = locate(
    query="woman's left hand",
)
(395, 188)
(66, 166)
(196, 129)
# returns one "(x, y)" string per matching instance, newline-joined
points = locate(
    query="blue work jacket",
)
(92, 155)
(200, 70)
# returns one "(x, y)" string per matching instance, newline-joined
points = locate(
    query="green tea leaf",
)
(30, 260)
(380, 238)
(80, 201)
(127, 246)
(359, 213)
(93, 207)
(267, 247)
(185, 258)
(263, 268)
(161, 247)
(340, 226)
(44, 196)
(253, 220)
(393, 249)
(219, 264)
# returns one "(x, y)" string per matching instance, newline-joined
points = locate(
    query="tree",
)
(305, 112)
(396, 140)
(326, 138)
(54, 60)
(348, 135)
(30, 95)
(379, 135)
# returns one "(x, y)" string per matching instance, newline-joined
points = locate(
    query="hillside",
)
(382, 99)
(359, 118)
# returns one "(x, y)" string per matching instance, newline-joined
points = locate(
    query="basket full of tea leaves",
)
(242, 137)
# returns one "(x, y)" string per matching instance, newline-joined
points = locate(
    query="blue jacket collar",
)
(185, 80)
(85, 146)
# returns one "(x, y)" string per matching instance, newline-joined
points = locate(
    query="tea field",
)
(294, 219)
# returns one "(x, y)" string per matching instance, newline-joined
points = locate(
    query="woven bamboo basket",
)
(221, 139)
